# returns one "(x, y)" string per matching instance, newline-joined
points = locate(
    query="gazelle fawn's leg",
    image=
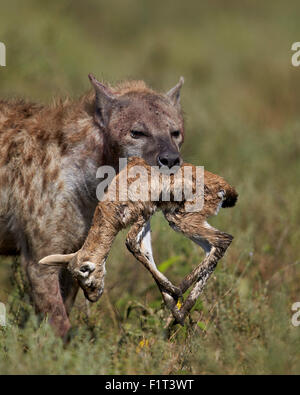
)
(200, 274)
(215, 243)
(138, 242)
(207, 267)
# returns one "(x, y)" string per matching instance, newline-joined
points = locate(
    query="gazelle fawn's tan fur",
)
(88, 264)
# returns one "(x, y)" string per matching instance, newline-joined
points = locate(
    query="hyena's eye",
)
(175, 134)
(136, 134)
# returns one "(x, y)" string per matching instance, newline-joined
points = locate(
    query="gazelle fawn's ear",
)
(174, 93)
(57, 259)
(104, 102)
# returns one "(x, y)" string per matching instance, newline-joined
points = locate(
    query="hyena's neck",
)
(84, 149)
(87, 150)
(86, 142)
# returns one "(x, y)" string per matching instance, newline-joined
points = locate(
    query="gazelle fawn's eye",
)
(136, 134)
(175, 134)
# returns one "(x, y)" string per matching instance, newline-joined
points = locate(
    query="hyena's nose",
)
(169, 160)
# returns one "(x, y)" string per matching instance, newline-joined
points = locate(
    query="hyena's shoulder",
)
(17, 120)
(14, 113)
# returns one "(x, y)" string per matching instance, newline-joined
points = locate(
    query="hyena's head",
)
(137, 121)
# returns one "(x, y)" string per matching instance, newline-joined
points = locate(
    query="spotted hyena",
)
(49, 156)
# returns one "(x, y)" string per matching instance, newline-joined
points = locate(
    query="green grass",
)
(241, 101)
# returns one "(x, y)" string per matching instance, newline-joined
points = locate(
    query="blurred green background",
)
(241, 101)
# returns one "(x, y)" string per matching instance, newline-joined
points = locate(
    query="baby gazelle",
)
(88, 264)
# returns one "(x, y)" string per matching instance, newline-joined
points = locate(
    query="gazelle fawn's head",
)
(89, 275)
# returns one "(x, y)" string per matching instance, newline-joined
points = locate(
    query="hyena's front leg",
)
(46, 295)
(69, 288)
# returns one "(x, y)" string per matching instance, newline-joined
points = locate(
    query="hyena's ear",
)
(174, 93)
(61, 260)
(104, 102)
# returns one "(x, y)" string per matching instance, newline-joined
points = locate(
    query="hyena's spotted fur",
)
(49, 156)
